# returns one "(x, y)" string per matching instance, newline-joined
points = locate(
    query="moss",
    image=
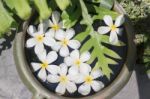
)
(139, 12)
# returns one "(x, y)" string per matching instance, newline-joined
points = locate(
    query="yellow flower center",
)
(44, 65)
(56, 27)
(63, 79)
(65, 42)
(113, 27)
(88, 79)
(40, 37)
(77, 62)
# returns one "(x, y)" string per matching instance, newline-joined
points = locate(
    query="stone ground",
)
(11, 87)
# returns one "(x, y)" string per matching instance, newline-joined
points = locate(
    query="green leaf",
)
(86, 16)
(107, 3)
(63, 4)
(20, 7)
(105, 39)
(96, 1)
(71, 15)
(101, 11)
(42, 8)
(99, 51)
(6, 20)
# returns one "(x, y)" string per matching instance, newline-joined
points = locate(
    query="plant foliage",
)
(95, 41)
(84, 11)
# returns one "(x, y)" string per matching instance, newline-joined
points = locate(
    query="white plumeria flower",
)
(64, 80)
(77, 62)
(89, 81)
(38, 38)
(45, 64)
(64, 41)
(113, 28)
(55, 25)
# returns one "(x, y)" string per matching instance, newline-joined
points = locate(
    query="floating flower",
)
(114, 29)
(64, 80)
(46, 64)
(77, 62)
(38, 38)
(55, 24)
(89, 81)
(64, 41)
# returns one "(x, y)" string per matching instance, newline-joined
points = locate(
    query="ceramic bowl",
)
(40, 92)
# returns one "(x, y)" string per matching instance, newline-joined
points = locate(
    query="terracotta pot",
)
(39, 92)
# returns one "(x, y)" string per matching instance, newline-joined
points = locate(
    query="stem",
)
(87, 19)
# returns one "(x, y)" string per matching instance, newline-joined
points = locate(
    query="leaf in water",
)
(99, 51)
(107, 3)
(95, 1)
(106, 40)
(63, 4)
(71, 16)
(87, 20)
(101, 11)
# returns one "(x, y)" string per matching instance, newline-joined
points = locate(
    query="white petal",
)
(120, 20)
(64, 51)
(31, 30)
(85, 56)
(85, 68)
(71, 78)
(60, 89)
(60, 35)
(39, 48)
(96, 73)
(50, 33)
(36, 66)
(97, 85)
(74, 70)
(119, 31)
(53, 78)
(51, 57)
(70, 33)
(49, 41)
(69, 61)
(71, 87)
(56, 46)
(31, 42)
(113, 37)
(46, 24)
(74, 44)
(108, 20)
(53, 69)
(75, 54)
(51, 23)
(61, 25)
(103, 30)
(42, 28)
(63, 69)
(42, 56)
(42, 74)
(78, 79)
(55, 17)
(84, 89)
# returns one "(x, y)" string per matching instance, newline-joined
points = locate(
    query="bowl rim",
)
(39, 92)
